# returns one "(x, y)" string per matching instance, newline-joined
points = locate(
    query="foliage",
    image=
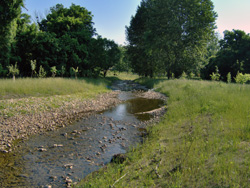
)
(13, 70)
(202, 141)
(10, 10)
(42, 73)
(242, 78)
(183, 76)
(215, 76)
(170, 36)
(33, 67)
(123, 65)
(64, 38)
(53, 70)
(233, 56)
(63, 20)
(229, 78)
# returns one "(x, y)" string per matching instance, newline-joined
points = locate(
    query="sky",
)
(111, 16)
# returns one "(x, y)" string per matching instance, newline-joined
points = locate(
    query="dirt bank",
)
(40, 117)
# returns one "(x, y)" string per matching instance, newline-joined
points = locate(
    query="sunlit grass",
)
(202, 141)
(50, 86)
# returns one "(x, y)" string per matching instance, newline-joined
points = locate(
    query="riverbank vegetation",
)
(29, 87)
(202, 141)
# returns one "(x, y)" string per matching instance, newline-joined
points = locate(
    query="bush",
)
(242, 78)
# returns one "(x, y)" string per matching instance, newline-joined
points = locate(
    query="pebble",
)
(42, 149)
(68, 166)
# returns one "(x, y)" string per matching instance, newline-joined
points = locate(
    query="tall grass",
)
(50, 86)
(202, 141)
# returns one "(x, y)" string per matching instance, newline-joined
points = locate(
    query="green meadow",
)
(35, 87)
(202, 141)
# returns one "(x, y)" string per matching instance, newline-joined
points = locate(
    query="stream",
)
(60, 158)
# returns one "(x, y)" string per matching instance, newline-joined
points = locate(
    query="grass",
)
(31, 87)
(202, 141)
(29, 96)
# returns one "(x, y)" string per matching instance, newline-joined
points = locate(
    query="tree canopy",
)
(170, 36)
(65, 40)
(233, 55)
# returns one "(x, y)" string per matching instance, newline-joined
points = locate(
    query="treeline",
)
(171, 38)
(64, 43)
(232, 56)
(177, 38)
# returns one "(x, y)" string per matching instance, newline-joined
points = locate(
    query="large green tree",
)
(73, 27)
(9, 11)
(171, 35)
(63, 20)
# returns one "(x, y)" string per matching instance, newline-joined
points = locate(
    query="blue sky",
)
(111, 16)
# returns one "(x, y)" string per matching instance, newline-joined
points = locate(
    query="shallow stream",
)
(69, 154)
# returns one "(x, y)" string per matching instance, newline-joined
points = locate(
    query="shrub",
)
(242, 78)
(42, 72)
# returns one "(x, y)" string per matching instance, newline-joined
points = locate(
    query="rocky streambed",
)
(68, 153)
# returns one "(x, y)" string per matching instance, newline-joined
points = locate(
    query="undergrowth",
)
(202, 141)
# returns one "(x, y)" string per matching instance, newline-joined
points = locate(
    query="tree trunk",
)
(105, 73)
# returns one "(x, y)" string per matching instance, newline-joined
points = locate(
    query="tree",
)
(171, 35)
(13, 70)
(72, 30)
(24, 46)
(123, 65)
(234, 53)
(10, 10)
(68, 20)
(112, 55)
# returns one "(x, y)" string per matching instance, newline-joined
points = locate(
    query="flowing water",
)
(75, 151)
